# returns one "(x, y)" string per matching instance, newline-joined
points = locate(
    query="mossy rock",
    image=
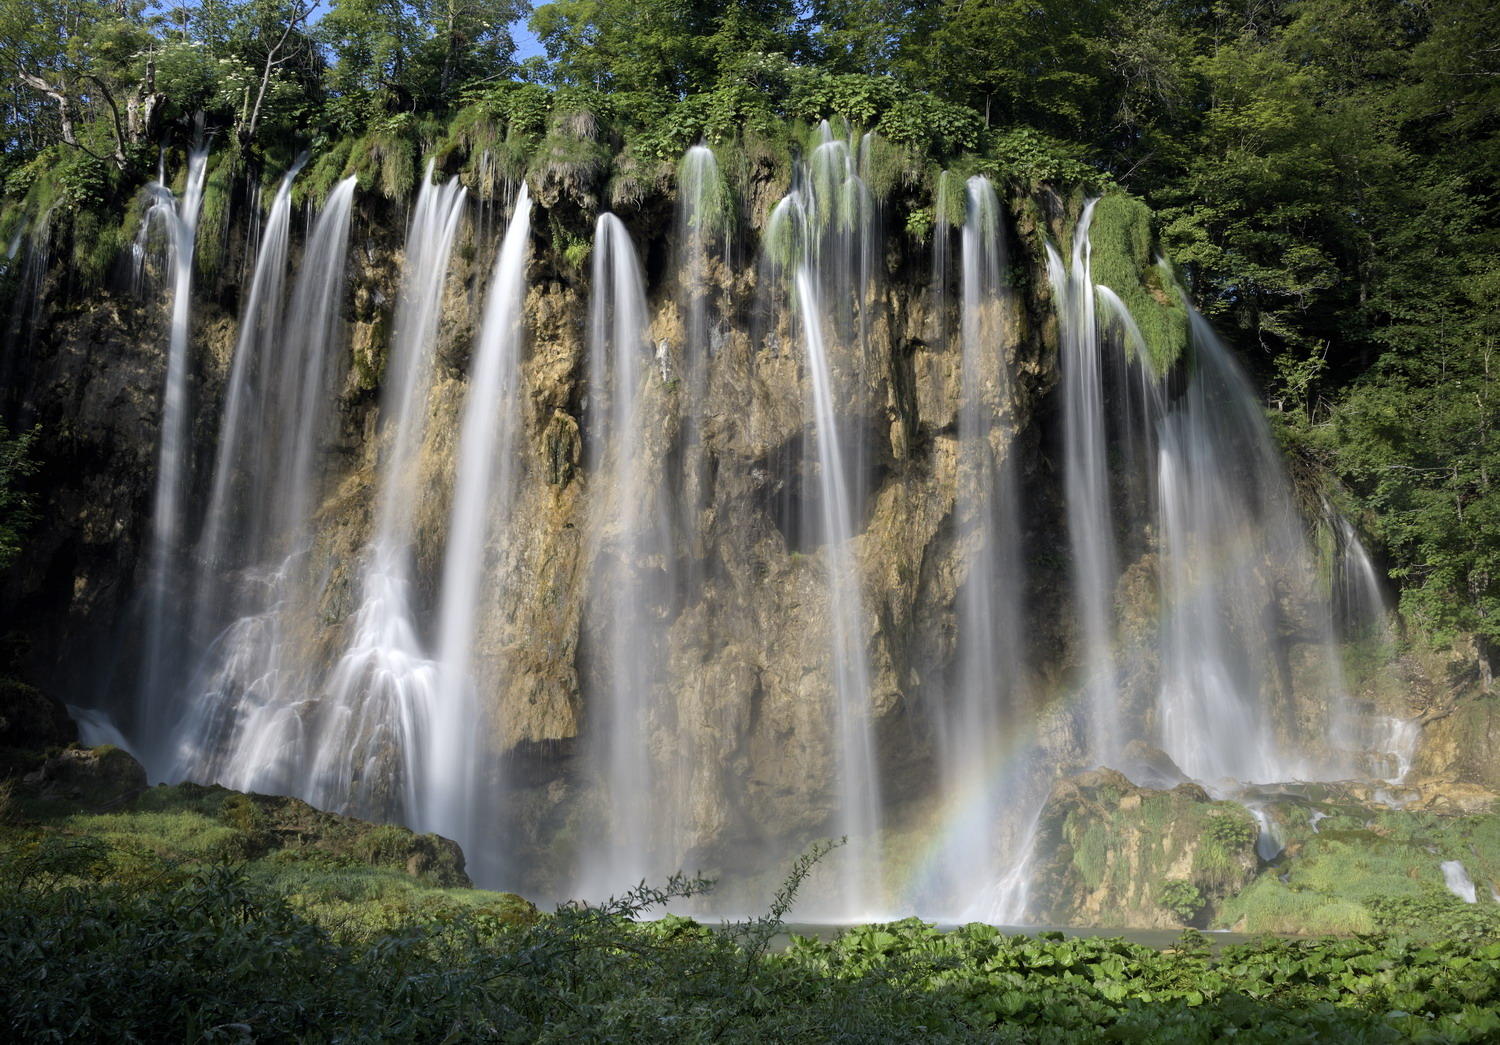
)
(194, 822)
(1114, 854)
(30, 719)
(90, 777)
(273, 824)
(1123, 250)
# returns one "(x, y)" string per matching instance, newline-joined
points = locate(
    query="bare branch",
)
(64, 110)
(272, 63)
(109, 99)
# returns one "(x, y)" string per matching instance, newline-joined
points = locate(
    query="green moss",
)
(635, 176)
(1123, 247)
(884, 166)
(714, 208)
(1365, 871)
(576, 164)
(385, 159)
(213, 217)
(327, 171)
(1091, 854)
(492, 149)
(471, 131)
(949, 199)
(784, 240)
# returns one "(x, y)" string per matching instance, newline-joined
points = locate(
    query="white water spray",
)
(179, 217)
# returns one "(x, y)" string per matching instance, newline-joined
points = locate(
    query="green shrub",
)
(1182, 898)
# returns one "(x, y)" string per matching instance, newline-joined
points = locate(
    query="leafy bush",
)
(1182, 898)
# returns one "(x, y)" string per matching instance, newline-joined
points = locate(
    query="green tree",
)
(1039, 62)
(87, 62)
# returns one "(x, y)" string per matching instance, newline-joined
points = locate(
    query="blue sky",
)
(526, 43)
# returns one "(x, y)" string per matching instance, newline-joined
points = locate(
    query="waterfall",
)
(976, 717)
(252, 416)
(1086, 487)
(941, 254)
(482, 495)
(1456, 878)
(377, 704)
(703, 257)
(356, 631)
(824, 233)
(25, 311)
(1358, 596)
(1232, 553)
(1268, 845)
(179, 217)
(1397, 738)
(243, 725)
(631, 567)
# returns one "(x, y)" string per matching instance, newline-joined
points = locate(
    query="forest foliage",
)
(1324, 172)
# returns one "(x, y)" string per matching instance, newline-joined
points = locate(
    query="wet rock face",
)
(1113, 854)
(92, 386)
(1460, 746)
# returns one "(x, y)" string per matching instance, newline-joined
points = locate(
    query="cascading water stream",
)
(703, 258)
(180, 219)
(859, 780)
(976, 718)
(250, 409)
(482, 495)
(629, 569)
(1232, 553)
(243, 725)
(1358, 597)
(377, 704)
(1086, 487)
(821, 229)
(314, 321)
(703, 237)
(1460, 884)
(25, 313)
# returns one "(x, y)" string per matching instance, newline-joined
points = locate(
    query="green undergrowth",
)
(100, 948)
(151, 922)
